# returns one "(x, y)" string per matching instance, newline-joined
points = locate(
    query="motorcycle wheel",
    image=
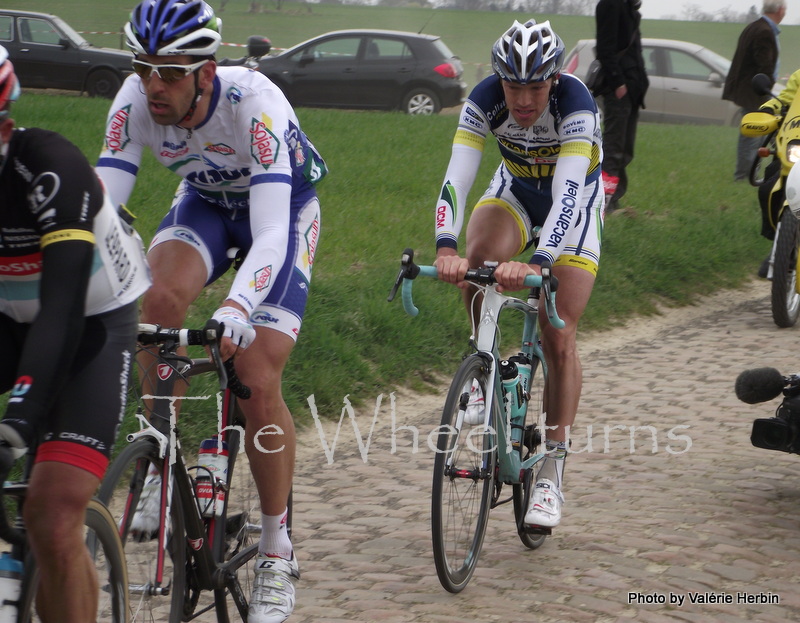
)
(785, 298)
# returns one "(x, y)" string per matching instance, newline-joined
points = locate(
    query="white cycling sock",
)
(553, 464)
(274, 536)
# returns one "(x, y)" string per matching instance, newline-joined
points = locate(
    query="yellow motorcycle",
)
(777, 190)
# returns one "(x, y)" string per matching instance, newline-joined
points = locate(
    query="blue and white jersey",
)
(249, 153)
(531, 157)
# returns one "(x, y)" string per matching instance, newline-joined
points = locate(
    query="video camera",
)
(781, 432)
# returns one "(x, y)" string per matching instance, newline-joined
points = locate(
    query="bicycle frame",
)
(486, 344)
(511, 466)
(205, 536)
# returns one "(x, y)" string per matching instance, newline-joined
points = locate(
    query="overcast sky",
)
(656, 9)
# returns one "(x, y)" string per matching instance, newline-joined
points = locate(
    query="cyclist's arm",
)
(67, 247)
(269, 224)
(121, 156)
(465, 159)
(785, 97)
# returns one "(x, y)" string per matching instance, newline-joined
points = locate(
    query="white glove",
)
(235, 325)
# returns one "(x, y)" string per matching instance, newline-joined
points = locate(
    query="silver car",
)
(686, 81)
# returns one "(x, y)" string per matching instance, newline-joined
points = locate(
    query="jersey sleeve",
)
(66, 195)
(465, 160)
(123, 143)
(269, 125)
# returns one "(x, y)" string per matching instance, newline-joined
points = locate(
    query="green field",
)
(469, 34)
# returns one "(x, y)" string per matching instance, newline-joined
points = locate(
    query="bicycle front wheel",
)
(463, 476)
(106, 552)
(131, 489)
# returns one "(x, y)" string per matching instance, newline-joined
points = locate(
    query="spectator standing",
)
(756, 52)
(619, 50)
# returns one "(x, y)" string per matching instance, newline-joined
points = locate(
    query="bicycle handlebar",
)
(485, 276)
(153, 334)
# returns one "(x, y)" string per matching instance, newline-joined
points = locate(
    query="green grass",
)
(470, 34)
(687, 231)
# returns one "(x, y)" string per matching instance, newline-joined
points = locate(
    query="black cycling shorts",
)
(82, 426)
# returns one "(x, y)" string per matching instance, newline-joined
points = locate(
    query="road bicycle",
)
(475, 460)
(102, 541)
(195, 559)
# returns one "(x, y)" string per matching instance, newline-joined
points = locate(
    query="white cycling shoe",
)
(273, 590)
(144, 523)
(545, 506)
(476, 408)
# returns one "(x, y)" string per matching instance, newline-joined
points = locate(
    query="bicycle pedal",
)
(537, 530)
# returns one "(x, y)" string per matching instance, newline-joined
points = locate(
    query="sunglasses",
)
(168, 73)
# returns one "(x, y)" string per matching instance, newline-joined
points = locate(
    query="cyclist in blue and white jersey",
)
(71, 272)
(548, 131)
(249, 175)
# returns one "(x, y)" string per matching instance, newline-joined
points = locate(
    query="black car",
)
(381, 69)
(48, 54)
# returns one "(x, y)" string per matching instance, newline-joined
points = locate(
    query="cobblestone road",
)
(689, 517)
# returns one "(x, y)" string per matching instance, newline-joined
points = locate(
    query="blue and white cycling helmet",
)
(9, 85)
(528, 52)
(173, 27)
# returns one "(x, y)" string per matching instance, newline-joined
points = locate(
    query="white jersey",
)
(248, 153)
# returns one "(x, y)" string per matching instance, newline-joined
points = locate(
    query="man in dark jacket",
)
(619, 50)
(756, 52)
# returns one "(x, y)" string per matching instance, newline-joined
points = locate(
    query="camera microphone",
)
(759, 385)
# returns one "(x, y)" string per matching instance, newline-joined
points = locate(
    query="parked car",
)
(686, 81)
(382, 69)
(48, 53)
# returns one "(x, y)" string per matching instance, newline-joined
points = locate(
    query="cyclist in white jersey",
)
(548, 132)
(248, 182)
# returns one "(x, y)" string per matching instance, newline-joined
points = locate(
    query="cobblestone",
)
(689, 512)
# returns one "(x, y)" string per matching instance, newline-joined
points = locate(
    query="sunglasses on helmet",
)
(167, 73)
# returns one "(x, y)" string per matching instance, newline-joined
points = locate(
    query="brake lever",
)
(408, 270)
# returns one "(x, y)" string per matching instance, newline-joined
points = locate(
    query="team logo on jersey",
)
(171, 150)
(220, 148)
(234, 95)
(117, 136)
(21, 387)
(43, 189)
(21, 266)
(262, 278)
(264, 145)
(312, 235)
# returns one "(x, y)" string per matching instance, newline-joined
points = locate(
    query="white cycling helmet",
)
(793, 190)
(173, 27)
(528, 52)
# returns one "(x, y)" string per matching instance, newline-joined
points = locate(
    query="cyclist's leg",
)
(71, 461)
(55, 510)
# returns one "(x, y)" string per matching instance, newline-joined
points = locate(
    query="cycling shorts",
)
(530, 206)
(82, 426)
(213, 231)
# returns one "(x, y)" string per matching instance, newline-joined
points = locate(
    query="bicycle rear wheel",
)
(531, 443)
(105, 550)
(463, 479)
(122, 490)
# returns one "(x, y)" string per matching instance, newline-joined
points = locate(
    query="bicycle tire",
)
(243, 531)
(106, 551)
(121, 490)
(460, 505)
(785, 298)
(530, 445)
